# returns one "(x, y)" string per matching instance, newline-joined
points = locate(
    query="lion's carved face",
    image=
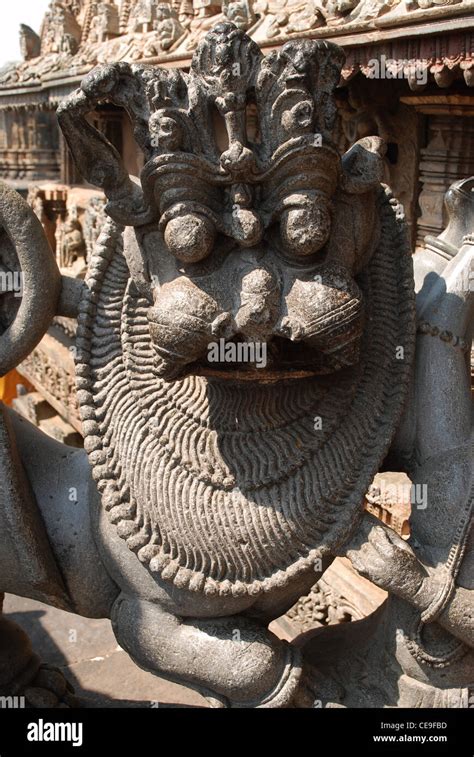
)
(247, 227)
(255, 229)
(294, 289)
(310, 316)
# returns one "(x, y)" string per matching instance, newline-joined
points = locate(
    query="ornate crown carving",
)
(202, 161)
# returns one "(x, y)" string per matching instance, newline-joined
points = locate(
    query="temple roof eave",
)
(442, 43)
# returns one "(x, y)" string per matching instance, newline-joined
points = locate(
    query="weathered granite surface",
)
(215, 490)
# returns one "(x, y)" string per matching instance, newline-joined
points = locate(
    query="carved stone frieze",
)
(50, 369)
(34, 407)
(425, 4)
(103, 23)
(76, 36)
(60, 32)
(72, 218)
(28, 145)
(341, 596)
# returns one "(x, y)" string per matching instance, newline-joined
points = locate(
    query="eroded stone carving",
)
(242, 13)
(71, 247)
(429, 3)
(76, 35)
(218, 492)
(104, 23)
(60, 32)
(93, 222)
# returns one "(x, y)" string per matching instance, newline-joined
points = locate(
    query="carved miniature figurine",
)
(71, 246)
(104, 24)
(240, 12)
(142, 16)
(168, 30)
(60, 32)
(209, 499)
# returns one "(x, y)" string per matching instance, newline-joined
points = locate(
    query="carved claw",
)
(380, 555)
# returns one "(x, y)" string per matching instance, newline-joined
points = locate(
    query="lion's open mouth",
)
(279, 360)
(331, 344)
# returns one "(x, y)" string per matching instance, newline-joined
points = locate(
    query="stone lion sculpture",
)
(210, 496)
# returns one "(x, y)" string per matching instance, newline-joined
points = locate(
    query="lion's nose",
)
(258, 309)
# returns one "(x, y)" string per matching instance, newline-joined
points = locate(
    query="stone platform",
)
(87, 653)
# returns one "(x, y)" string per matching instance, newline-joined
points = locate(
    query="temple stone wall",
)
(29, 144)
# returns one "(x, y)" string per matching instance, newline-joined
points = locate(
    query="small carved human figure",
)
(142, 16)
(60, 32)
(104, 24)
(168, 30)
(70, 241)
(239, 12)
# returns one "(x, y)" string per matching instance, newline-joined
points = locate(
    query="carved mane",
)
(229, 486)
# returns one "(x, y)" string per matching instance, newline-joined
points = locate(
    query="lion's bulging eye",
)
(305, 230)
(190, 237)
